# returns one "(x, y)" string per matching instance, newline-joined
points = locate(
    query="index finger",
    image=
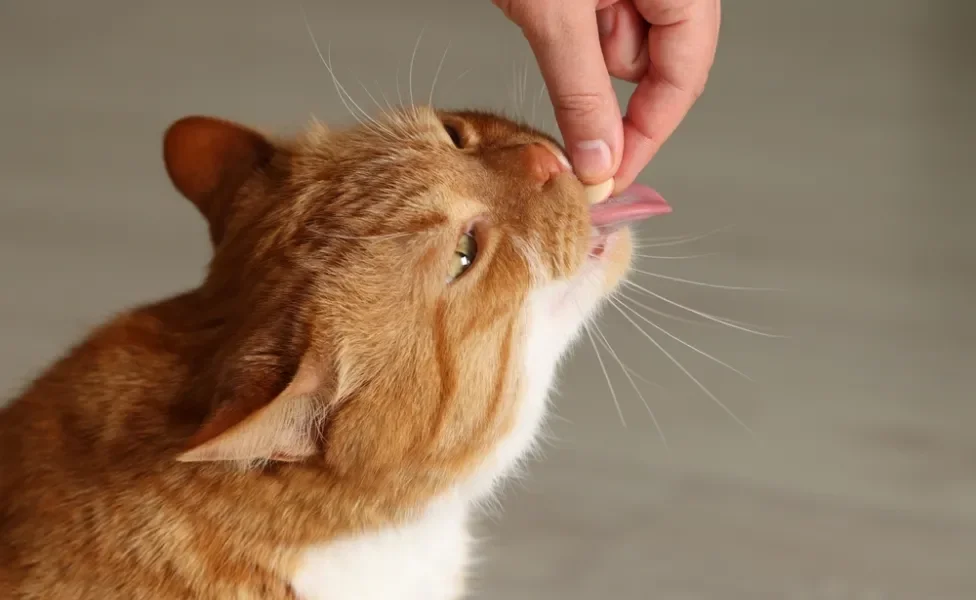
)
(567, 45)
(681, 54)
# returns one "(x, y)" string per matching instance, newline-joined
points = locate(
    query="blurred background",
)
(831, 156)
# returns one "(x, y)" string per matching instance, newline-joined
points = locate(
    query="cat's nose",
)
(542, 163)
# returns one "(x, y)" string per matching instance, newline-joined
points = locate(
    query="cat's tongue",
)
(636, 203)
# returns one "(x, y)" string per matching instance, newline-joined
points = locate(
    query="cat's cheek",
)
(620, 255)
(616, 258)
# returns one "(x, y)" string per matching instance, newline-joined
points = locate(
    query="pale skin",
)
(666, 47)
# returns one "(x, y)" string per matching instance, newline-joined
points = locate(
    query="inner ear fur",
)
(270, 394)
(285, 428)
(208, 159)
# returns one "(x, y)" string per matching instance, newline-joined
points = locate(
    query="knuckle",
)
(620, 68)
(674, 12)
(581, 105)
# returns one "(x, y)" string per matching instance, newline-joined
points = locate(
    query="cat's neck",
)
(124, 402)
(125, 388)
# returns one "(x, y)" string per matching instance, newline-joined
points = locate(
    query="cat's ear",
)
(209, 159)
(272, 413)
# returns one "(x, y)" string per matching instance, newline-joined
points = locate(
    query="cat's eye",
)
(463, 257)
(455, 136)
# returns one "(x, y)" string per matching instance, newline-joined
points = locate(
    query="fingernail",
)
(591, 159)
(605, 20)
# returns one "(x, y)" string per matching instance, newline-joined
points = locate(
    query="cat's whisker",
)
(626, 370)
(517, 89)
(396, 77)
(606, 374)
(513, 93)
(374, 124)
(659, 312)
(379, 107)
(637, 375)
(680, 239)
(666, 238)
(704, 315)
(327, 63)
(535, 101)
(386, 101)
(680, 366)
(344, 96)
(525, 84)
(595, 236)
(413, 59)
(599, 358)
(656, 311)
(433, 85)
(558, 417)
(683, 342)
(318, 50)
(708, 285)
(458, 78)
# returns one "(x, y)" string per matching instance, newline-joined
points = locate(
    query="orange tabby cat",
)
(369, 353)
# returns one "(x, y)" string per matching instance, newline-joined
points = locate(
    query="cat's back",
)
(78, 455)
(121, 378)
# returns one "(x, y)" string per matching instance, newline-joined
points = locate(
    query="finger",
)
(623, 37)
(567, 45)
(681, 54)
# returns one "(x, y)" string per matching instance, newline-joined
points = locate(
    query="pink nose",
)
(542, 163)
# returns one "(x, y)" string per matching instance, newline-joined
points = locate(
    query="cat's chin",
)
(611, 255)
(572, 301)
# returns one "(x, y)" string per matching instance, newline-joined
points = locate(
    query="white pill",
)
(599, 192)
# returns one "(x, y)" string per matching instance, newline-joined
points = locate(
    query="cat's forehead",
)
(420, 163)
(408, 150)
(412, 134)
(495, 130)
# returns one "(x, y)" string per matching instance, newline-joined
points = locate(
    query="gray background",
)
(833, 145)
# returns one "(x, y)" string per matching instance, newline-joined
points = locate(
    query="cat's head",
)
(392, 295)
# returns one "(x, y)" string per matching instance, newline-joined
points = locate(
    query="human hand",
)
(665, 46)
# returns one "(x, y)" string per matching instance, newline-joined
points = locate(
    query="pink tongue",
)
(635, 203)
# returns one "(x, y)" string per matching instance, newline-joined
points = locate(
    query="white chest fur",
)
(426, 559)
(421, 560)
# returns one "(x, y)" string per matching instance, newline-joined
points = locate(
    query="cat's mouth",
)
(636, 203)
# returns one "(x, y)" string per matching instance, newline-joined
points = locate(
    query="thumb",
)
(567, 46)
